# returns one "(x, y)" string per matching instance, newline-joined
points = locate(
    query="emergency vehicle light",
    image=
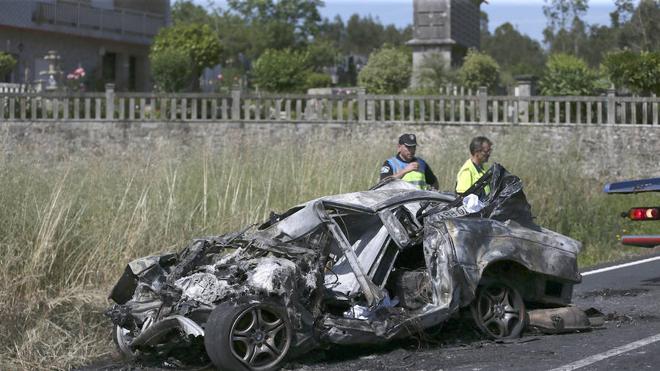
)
(644, 213)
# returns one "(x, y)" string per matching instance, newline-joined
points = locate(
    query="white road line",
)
(620, 266)
(610, 353)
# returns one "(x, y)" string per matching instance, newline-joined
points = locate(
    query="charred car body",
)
(355, 268)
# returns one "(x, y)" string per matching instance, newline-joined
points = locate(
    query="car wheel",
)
(499, 311)
(123, 338)
(250, 335)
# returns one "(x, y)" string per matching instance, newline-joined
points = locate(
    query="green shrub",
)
(433, 74)
(317, 80)
(321, 54)
(7, 63)
(479, 69)
(639, 72)
(171, 69)
(568, 75)
(387, 72)
(196, 41)
(281, 70)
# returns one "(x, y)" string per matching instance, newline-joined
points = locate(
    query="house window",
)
(132, 72)
(109, 67)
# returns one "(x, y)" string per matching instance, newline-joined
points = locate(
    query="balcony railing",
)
(116, 21)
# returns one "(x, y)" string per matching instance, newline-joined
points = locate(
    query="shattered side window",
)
(355, 225)
(372, 245)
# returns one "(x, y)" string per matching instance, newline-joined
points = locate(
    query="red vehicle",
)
(643, 213)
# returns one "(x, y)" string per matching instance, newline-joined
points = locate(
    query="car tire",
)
(499, 311)
(122, 338)
(252, 334)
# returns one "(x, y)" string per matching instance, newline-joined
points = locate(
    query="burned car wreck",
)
(355, 268)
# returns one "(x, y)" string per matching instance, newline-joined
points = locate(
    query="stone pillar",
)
(431, 34)
(439, 28)
(482, 93)
(611, 106)
(109, 101)
(525, 88)
(236, 103)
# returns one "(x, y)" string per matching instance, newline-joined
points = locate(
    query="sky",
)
(526, 15)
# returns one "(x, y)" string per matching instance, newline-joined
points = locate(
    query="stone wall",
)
(604, 152)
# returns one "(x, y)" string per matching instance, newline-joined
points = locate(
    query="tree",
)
(642, 31)
(623, 12)
(479, 69)
(565, 26)
(321, 53)
(639, 72)
(197, 41)
(517, 54)
(7, 64)
(301, 15)
(568, 75)
(361, 36)
(387, 72)
(185, 11)
(171, 69)
(281, 70)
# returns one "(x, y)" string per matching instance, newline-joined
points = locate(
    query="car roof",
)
(392, 193)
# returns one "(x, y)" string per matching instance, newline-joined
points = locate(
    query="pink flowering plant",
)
(76, 80)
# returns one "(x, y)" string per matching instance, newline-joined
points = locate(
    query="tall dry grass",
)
(70, 223)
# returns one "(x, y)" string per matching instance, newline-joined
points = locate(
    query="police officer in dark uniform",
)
(407, 167)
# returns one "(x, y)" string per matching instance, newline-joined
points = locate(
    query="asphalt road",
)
(628, 296)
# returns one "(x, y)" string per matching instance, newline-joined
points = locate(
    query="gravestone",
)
(443, 29)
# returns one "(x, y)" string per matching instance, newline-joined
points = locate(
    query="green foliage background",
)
(639, 72)
(7, 63)
(170, 69)
(197, 43)
(568, 75)
(281, 70)
(387, 72)
(479, 69)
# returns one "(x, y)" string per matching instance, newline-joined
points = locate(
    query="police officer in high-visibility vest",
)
(475, 167)
(407, 167)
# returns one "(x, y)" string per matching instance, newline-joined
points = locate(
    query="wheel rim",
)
(259, 337)
(124, 339)
(500, 310)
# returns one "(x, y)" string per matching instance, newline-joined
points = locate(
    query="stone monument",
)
(443, 29)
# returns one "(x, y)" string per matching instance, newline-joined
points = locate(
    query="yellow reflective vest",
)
(468, 175)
